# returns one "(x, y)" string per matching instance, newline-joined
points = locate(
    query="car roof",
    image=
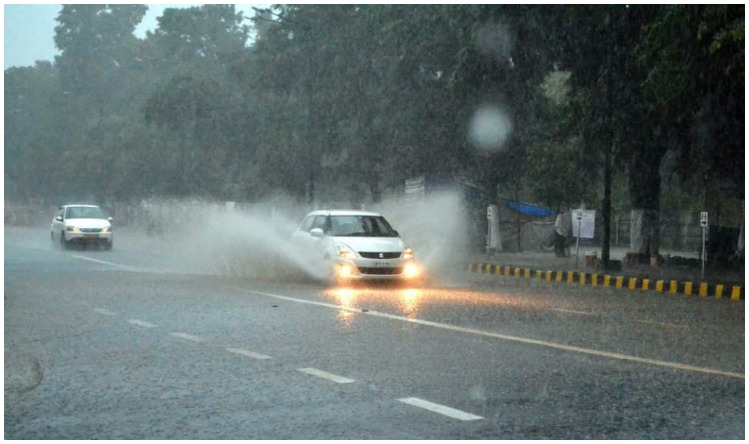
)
(79, 205)
(343, 213)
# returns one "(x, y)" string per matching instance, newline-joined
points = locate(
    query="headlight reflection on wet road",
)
(407, 301)
(410, 302)
(346, 298)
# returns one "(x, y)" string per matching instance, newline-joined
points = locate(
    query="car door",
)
(57, 222)
(314, 245)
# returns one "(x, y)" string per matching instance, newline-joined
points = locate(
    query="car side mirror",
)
(316, 232)
(58, 218)
(110, 218)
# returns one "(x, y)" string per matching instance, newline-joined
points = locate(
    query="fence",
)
(523, 234)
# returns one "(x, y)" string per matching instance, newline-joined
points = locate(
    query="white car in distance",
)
(359, 245)
(82, 225)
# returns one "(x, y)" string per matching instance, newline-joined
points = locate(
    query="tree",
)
(201, 41)
(97, 50)
(690, 68)
(193, 51)
(34, 130)
(342, 102)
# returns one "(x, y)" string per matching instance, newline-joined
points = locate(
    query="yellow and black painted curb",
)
(688, 288)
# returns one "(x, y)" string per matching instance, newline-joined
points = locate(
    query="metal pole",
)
(704, 224)
(579, 226)
(703, 253)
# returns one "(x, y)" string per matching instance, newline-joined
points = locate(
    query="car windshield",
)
(84, 213)
(363, 226)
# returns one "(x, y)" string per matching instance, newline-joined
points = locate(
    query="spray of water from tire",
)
(254, 242)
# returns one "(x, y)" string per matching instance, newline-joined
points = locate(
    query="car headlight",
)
(72, 229)
(408, 253)
(345, 251)
(411, 271)
(106, 230)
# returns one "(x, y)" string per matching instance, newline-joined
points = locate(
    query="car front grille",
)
(386, 271)
(380, 255)
(90, 230)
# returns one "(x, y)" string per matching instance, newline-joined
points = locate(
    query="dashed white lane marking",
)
(441, 409)
(570, 348)
(249, 354)
(663, 324)
(142, 323)
(564, 310)
(127, 267)
(186, 337)
(104, 311)
(326, 375)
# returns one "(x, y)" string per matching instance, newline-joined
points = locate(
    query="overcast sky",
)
(30, 28)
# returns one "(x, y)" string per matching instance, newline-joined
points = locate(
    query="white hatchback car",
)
(358, 244)
(82, 224)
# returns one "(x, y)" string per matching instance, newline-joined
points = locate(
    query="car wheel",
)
(63, 244)
(108, 246)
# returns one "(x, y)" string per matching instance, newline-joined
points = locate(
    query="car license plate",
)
(91, 236)
(381, 264)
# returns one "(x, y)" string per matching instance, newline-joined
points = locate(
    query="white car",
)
(358, 245)
(82, 224)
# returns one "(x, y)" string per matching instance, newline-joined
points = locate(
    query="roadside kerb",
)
(631, 283)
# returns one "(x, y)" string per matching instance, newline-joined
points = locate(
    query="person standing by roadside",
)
(562, 229)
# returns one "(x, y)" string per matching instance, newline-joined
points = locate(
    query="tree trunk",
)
(644, 238)
(645, 193)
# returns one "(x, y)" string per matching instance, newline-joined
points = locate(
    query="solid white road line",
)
(85, 258)
(186, 337)
(104, 311)
(326, 375)
(569, 348)
(441, 409)
(142, 323)
(249, 354)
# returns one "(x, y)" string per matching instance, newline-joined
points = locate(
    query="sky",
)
(29, 29)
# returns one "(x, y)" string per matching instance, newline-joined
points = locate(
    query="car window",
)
(321, 222)
(307, 223)
(366, 226)
(84, 213)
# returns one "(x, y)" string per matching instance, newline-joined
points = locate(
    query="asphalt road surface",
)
(138, 344)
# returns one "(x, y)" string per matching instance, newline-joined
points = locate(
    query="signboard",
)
(584, 223)
(703, 219)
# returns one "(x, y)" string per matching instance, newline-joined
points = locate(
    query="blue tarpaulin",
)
(530, 210)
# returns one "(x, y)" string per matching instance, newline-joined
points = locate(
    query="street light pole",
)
(606, 210)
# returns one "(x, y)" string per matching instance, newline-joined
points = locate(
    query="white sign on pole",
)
(493, 240)
(584, 224)
(703, 219)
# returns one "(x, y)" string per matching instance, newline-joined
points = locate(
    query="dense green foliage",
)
(344, 102)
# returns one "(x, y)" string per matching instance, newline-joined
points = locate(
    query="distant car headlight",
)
(408, 253)
(345, 251)
(106, 230)
(72, 229)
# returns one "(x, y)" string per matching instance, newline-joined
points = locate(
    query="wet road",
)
(143, 343)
